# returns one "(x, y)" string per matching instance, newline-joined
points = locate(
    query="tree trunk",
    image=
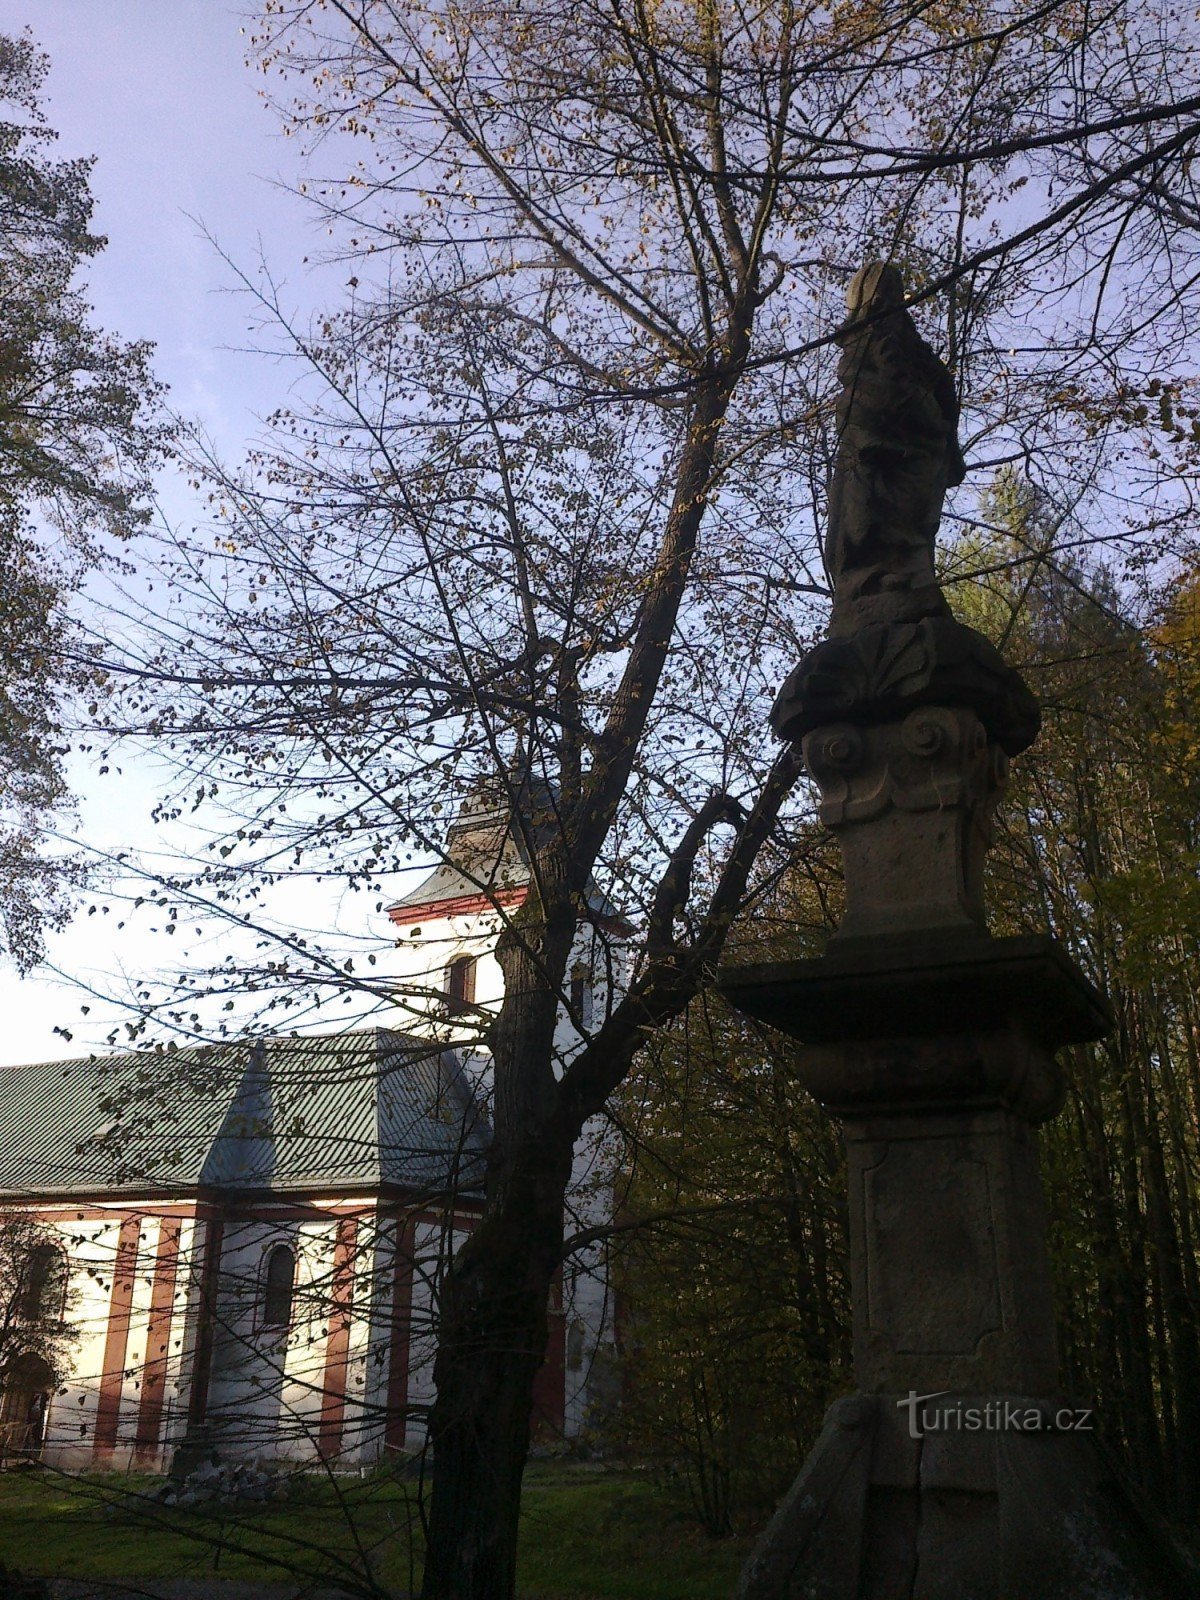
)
(492, 1340)
(493, 1327)
(1181, 1387)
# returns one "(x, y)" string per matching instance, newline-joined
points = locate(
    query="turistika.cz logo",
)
(990, 1416)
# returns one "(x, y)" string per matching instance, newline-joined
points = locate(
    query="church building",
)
(247, 1238)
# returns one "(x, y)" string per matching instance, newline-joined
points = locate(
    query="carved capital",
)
(883, 671)
(911, 803)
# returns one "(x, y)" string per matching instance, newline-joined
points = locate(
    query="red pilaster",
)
(116, 1342)
(158, 1338)
(337, 1349)
(399, 1345)
(549, 1387)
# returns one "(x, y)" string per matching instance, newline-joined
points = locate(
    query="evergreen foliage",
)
(77, 446)
(1097, 842)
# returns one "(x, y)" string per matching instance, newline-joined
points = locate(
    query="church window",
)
(575, 1346)
(581, 997)
(460, 983)
(44, 1285)
(280, 1279)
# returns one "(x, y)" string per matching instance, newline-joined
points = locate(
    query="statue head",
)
(874, 288)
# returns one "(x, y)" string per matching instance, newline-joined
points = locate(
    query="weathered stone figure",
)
(956, 1471)
(897, 422)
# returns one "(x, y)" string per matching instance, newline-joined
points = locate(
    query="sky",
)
(158, 91)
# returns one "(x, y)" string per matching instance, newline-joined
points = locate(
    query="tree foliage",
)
(545, 505)
(732, 1272)
(35, 1302)
(1097, 841)
(1101, 845)
(77, 445)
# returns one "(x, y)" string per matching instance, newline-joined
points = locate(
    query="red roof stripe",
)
(459, 906)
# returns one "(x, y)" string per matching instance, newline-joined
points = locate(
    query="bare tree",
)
(36, 1334)
(543, 510)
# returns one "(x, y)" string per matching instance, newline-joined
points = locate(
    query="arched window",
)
(460, 984)
(278, 1284)
(44, 1285)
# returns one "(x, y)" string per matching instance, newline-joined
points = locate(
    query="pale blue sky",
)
(158, 91)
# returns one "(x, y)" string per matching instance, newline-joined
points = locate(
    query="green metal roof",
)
(333, 1112)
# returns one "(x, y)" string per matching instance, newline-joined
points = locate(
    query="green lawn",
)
(585, 1535)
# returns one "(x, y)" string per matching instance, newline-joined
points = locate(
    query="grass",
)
(585, 1535)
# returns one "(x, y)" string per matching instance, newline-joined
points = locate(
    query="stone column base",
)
(963, 1497)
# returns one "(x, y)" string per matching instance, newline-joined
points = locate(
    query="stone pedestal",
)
(1038, 1513)
(958, 1470)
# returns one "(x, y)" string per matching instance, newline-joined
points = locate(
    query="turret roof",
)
(487, 855)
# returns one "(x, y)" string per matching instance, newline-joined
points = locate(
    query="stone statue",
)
(893, 644)
(898, 453)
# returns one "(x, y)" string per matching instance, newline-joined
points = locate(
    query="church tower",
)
(448, 982)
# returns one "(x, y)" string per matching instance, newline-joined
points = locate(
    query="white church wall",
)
(266, 1385)
(267, 1389)
(189, 1296)
(434, 1245)
(586, 1294)
(90, 1240)
(90, 1243)
(242, 1413)
(135, 1340)
(360, 1428)
(373, 1300)
(300, 1400)
(175, 1385)
(424, 950)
